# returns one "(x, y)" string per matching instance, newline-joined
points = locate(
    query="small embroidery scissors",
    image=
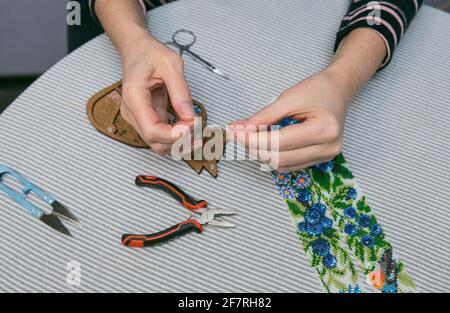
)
(202, 215)
(51, 219)
(185, 48)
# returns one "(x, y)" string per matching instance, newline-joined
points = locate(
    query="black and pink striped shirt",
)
(389, 18)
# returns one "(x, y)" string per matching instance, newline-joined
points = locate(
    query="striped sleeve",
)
(389, 18)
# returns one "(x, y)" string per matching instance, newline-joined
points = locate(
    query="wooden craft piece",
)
(103, 110)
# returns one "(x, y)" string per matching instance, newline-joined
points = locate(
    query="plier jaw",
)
(194, 224)
(213, 218)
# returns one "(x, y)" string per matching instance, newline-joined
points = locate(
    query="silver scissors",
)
(185, 48)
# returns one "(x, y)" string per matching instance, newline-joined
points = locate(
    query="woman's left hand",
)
(320, 102)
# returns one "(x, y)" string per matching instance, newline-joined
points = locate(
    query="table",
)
(396, 142)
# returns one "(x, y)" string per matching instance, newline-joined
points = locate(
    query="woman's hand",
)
(151, 70)
(321, 103)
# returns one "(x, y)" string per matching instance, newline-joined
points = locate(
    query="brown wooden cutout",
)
(103, 110)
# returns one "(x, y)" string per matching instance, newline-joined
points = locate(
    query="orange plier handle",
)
(172, 189)
(142, 241)
(183, 228)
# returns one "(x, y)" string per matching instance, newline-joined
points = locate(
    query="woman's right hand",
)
(150, 72)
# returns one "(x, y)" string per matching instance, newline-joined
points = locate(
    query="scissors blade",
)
(63, 212)
(220, 73)
(206, 64)
(54, 222)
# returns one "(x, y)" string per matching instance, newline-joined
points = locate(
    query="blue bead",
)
(321, 247)
(351, 289)
(304, 196)
(321, 208)
(313, 216)
(376, 230)
(302, 227)
(350, 212)
(350, 229)
(351, 194)
(282, 178)
(197, 109)
(326, 222)
(315, 230)
(288, 121)
(329, 261)
(367, 241)
(364, 220)
(389, 289)
(325, 167)
(302, 180)
(287, 192)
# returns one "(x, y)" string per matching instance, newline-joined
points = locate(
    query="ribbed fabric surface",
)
(396, 144)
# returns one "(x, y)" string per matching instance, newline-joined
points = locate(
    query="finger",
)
(127, 116)
(186, 148)
(298, 136)
(300, 166)
(161, 149)
(125, 112)
(251, 139)
(179, 93)
(159, 103)
(300, 156)
(289, 138)
(269, 115)
(152, 130)
(273, 161)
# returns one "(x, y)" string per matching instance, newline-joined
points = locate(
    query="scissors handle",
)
(28, 187)
(186, 49)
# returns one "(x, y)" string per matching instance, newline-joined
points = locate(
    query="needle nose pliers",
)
(193, 224)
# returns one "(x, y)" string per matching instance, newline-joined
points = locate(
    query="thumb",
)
(268, 116)
(179, 94)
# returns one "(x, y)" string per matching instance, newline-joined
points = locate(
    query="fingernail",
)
(187, 110)
(235, 124)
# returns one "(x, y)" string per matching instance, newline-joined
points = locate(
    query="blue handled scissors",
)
(52, 219)
(185, 48)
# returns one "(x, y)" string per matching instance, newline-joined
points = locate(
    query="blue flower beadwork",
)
(350, 229)
(304, 196)
(364, 220)
(367, 241)
(351, 194)
(376, 230)
(321, 247)
(302, 180)
(325, 167)
(350, 212)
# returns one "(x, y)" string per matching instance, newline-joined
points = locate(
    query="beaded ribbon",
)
(338, 230)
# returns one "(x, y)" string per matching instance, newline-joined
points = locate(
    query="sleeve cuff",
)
(380, 30)
(386, 19)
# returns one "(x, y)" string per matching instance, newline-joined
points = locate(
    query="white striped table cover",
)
(396, 143)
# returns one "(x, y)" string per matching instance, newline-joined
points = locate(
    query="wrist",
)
(357, 59)
(137, 37)
(340, 78)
